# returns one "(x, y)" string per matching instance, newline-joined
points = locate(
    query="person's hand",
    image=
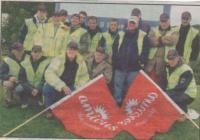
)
(35, 92)
(13, 79)
(66, 90)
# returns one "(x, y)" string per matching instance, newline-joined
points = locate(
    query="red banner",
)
(93, 113)
(147, 109)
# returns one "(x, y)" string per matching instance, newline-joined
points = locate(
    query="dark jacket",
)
(195, 43)
(183, 82)
(127, 57)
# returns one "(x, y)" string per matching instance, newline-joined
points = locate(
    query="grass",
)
(43, 128)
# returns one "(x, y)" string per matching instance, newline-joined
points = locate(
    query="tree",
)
(17, 12)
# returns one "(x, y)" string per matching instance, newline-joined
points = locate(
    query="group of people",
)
(56, 56)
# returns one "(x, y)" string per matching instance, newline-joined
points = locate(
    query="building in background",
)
(150, 11)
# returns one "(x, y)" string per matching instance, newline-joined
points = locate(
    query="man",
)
(129, 54)
(92, 38)
(181, 85)
(32, 76)
(64, 18)
(9, 73)
(64, 74)
(83, 19)
(110, 36)
(188, 43)
(28, 30)
(162, 38)
(96, 64)
(52, 36)
(142, 25)
(75, 32)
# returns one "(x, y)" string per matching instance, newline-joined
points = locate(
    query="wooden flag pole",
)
(24, 123)
(170, 100)
(52, 106)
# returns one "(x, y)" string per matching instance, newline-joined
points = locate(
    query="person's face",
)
(99, 57)
(41, 15)
(71, 53)
(82, 18)
(132, 26)
(137, 15)
(56, 19)
(17, 53)
(92, 23)
(63, 18)
(164, 24)
(113, 26)
(36, 55)
(172, 63)
(185, 21)
(75, 21)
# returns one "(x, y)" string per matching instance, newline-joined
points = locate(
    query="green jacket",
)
(109, 41)
(51, 39)
(56, 68)
(170, 37)
(32, 29)
(89, 44)
(10, 66)
(174, 77)
(34, 77)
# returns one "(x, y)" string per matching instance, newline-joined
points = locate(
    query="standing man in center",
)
(130, 53)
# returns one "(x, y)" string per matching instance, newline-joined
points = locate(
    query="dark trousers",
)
(26, 96)
(181, 99)
(51, 95)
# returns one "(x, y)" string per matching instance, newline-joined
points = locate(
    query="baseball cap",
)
(17, 46)
(136, 12)
(186, 15)
(63, 12)
(73, 45)
(172, 54)
(133, 19)
(164, 17)
(37, 48)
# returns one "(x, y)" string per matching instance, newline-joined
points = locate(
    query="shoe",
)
(49, 115)
(23, 106)
(193, 114)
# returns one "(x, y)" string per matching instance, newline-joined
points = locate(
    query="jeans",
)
(122, 81)
(51, 95)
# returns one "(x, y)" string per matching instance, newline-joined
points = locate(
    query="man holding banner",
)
(181, 85)
(64, 74)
